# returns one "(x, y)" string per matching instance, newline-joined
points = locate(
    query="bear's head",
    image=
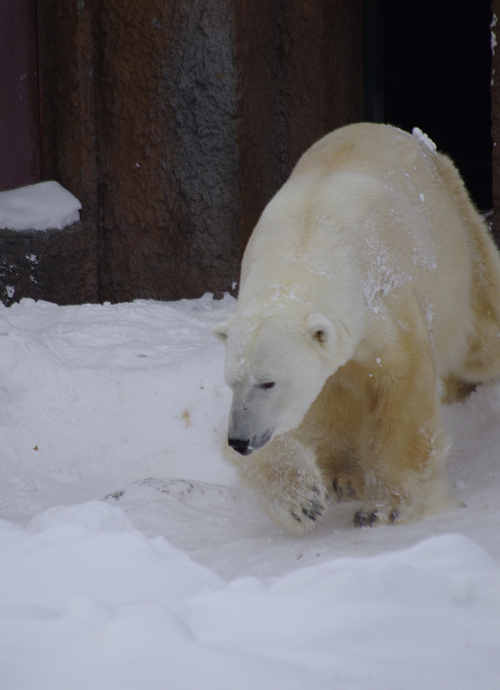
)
(276, 368)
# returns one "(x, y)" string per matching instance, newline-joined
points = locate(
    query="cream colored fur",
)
(375, 235)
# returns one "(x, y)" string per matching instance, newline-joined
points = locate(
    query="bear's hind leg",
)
(482, 362)
(404, 446)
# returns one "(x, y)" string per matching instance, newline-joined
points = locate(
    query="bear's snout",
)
(240, 445)
(247, 446)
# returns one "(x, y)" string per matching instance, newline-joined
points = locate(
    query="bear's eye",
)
(266, 385)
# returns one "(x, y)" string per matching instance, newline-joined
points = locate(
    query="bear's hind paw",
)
(343, 489)
(367, 517)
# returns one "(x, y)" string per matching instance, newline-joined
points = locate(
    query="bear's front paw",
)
(310, 509)
(288, 482)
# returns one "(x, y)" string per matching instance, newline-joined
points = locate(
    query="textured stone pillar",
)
(168, 150)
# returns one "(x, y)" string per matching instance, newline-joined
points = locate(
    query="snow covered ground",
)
(130, 556)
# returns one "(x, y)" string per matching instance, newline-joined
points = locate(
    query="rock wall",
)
(175, 121)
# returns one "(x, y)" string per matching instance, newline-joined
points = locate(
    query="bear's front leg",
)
(287, 481)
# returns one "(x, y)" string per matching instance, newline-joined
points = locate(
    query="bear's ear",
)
(322, 330)
(221, 331)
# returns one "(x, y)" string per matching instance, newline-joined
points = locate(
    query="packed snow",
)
(131, 557)
(41, 206)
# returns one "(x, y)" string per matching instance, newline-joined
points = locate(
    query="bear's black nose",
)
(240, 445)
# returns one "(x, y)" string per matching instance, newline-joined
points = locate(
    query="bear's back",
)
(371, 216)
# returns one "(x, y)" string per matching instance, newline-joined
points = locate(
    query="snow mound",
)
(84, 604)
(41, 206)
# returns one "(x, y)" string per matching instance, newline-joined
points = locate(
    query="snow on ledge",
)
(41, 206)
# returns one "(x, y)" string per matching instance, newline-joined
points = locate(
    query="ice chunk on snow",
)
(424, 139)
(39, 206)
(94, 515)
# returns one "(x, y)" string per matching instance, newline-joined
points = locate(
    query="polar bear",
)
(370, 289)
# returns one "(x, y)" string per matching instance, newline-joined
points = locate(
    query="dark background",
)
(437, 70)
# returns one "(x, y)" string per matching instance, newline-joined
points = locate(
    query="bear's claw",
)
(368, 518)
(343, 489)
(364, 518)
(311, 513)
(313, 510)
